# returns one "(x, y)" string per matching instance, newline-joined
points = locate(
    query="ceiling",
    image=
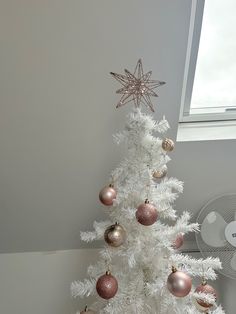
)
(58, 114)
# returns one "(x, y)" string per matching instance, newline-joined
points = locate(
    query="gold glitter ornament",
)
(158, 174)
(115, 235)
(137, 87)
(168, 145)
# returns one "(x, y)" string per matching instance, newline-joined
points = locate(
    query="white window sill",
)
(206, 131)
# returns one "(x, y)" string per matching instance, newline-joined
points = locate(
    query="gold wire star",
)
(137, 87)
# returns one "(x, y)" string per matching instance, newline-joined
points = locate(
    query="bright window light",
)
(215, 76)
(209, 89)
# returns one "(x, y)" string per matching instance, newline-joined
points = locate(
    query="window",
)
(209, 89)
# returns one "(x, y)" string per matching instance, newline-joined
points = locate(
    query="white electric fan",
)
(217, 236)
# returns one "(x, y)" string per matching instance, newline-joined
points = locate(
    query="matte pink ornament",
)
(146, 214)
(107, 195)
(179, 283)
(178, 242)
(107, 286)
(205, 288)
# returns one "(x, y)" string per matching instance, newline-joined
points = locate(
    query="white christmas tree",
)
(140, 269)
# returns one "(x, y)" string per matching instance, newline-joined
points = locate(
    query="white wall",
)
(39, 283)
(227, 288)
(58, 106)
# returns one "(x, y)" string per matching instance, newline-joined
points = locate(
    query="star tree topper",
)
(137, 87)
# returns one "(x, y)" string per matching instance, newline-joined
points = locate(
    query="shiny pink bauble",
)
(146, 214)
(107, 286)
(107, 195)
(179, 284)
(178, 242)
(205, 288)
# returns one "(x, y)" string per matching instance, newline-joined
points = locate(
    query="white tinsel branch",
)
(85, 288)
(209, 262)
(162, 126)
(166, 197)
(99, 227)
(168, 212)
(182, 226)
(126, 214)
(208, 298)
(197, 267)
(119, 137)
(106, 254)
(218, 310)
(94, 271)
(170, 183)
(155, 287)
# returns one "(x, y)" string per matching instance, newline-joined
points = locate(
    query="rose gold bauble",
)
(107, 195)
(115, 235)
(146, 214)
(158, 174)
(205, 288)
(107, 286)
(201, 308)
(179, 283)
(87, 311)
(178, 242)
(168, 145)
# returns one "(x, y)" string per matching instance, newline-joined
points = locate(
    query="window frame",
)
(196, 18)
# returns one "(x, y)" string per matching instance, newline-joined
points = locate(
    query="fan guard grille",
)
(226, 206)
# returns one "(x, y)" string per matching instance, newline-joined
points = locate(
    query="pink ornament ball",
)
(200, 308)
(178, 242)
(179, 283)
(146, 214)
(107, 195)
(107, 286)
(207, 289)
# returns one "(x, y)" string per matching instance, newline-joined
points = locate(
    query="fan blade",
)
(213, 230)
(230, 233)
(233, 262)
